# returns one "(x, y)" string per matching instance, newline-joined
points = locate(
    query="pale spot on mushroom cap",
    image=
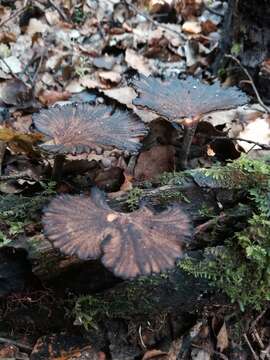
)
(111, 217)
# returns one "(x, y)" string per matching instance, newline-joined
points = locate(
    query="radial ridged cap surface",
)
(175, 99)
(78, 129)
(130, 244)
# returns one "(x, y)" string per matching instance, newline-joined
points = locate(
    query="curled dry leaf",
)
(79, 129)
(175, 99)
(137, 62)
(15, 92)
(50, 97)
(132, 244)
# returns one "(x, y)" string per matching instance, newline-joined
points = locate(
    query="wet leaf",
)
(15, 92)
(132, 244)
(20, 142)
(154, 162)
(175, 99)
(78, 129)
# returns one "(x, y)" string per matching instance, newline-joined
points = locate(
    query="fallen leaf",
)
(111, 76)
(15, 92)
(152, 163)
(257, 130)
(36, 26)
(222, 338)
(11, 65)
(49, 97)
(137, 62)
(192, 27)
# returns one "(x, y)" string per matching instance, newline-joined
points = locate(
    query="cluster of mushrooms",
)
(141, 242)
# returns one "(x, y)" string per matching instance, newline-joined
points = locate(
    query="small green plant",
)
(241, 268)
(78, 16)
(134, 197)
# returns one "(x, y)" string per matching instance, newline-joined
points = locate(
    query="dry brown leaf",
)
(49, 97)
(151, 163)
(222, 338)
(192, 27)
(110, 76)
(137, 62)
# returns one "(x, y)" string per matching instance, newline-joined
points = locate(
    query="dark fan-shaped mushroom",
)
(130, 244)
(75, 129)
(185, 101)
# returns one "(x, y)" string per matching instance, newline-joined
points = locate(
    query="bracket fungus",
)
(129, 244)
(185, 101)
(82, 128)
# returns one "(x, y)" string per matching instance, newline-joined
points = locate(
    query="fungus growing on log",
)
(185, 101)
(76, 129)
(129, 244)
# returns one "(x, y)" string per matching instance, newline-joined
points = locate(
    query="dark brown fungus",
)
(177, 100)
(79, 129)
(130, 244)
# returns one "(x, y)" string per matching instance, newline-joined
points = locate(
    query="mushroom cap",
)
(175, 99)
(130, 244)
(75, 129)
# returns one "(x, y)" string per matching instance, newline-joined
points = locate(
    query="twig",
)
(16, 13)
(23, 174)
(38, 68)
(16, 343)
(149, 18)
(3, 146)
(9, 68)
(263, 146)
(60, 12)
(209, 224)
(258, 318)
(251, 348)
(266, 108)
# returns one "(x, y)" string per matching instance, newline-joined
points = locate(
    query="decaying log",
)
(200, 193)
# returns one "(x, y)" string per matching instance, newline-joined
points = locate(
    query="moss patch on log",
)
(241, 267)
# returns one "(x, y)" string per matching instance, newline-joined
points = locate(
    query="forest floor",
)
(214, 304)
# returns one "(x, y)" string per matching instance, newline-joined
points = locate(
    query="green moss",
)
(18, 212)
(241, 268)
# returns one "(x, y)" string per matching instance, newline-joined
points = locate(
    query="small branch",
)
(263, 146)
(12, 16)
(9, 68)
(256, 357)
(16, 343)
(60, 12)
(3, 146)
(22, 175)
(149, 18)
(266, 108)
(38, 68)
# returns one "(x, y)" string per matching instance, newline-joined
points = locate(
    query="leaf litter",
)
(142, 64)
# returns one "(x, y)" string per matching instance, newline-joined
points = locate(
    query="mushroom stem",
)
(58, 167)
(190, 127)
